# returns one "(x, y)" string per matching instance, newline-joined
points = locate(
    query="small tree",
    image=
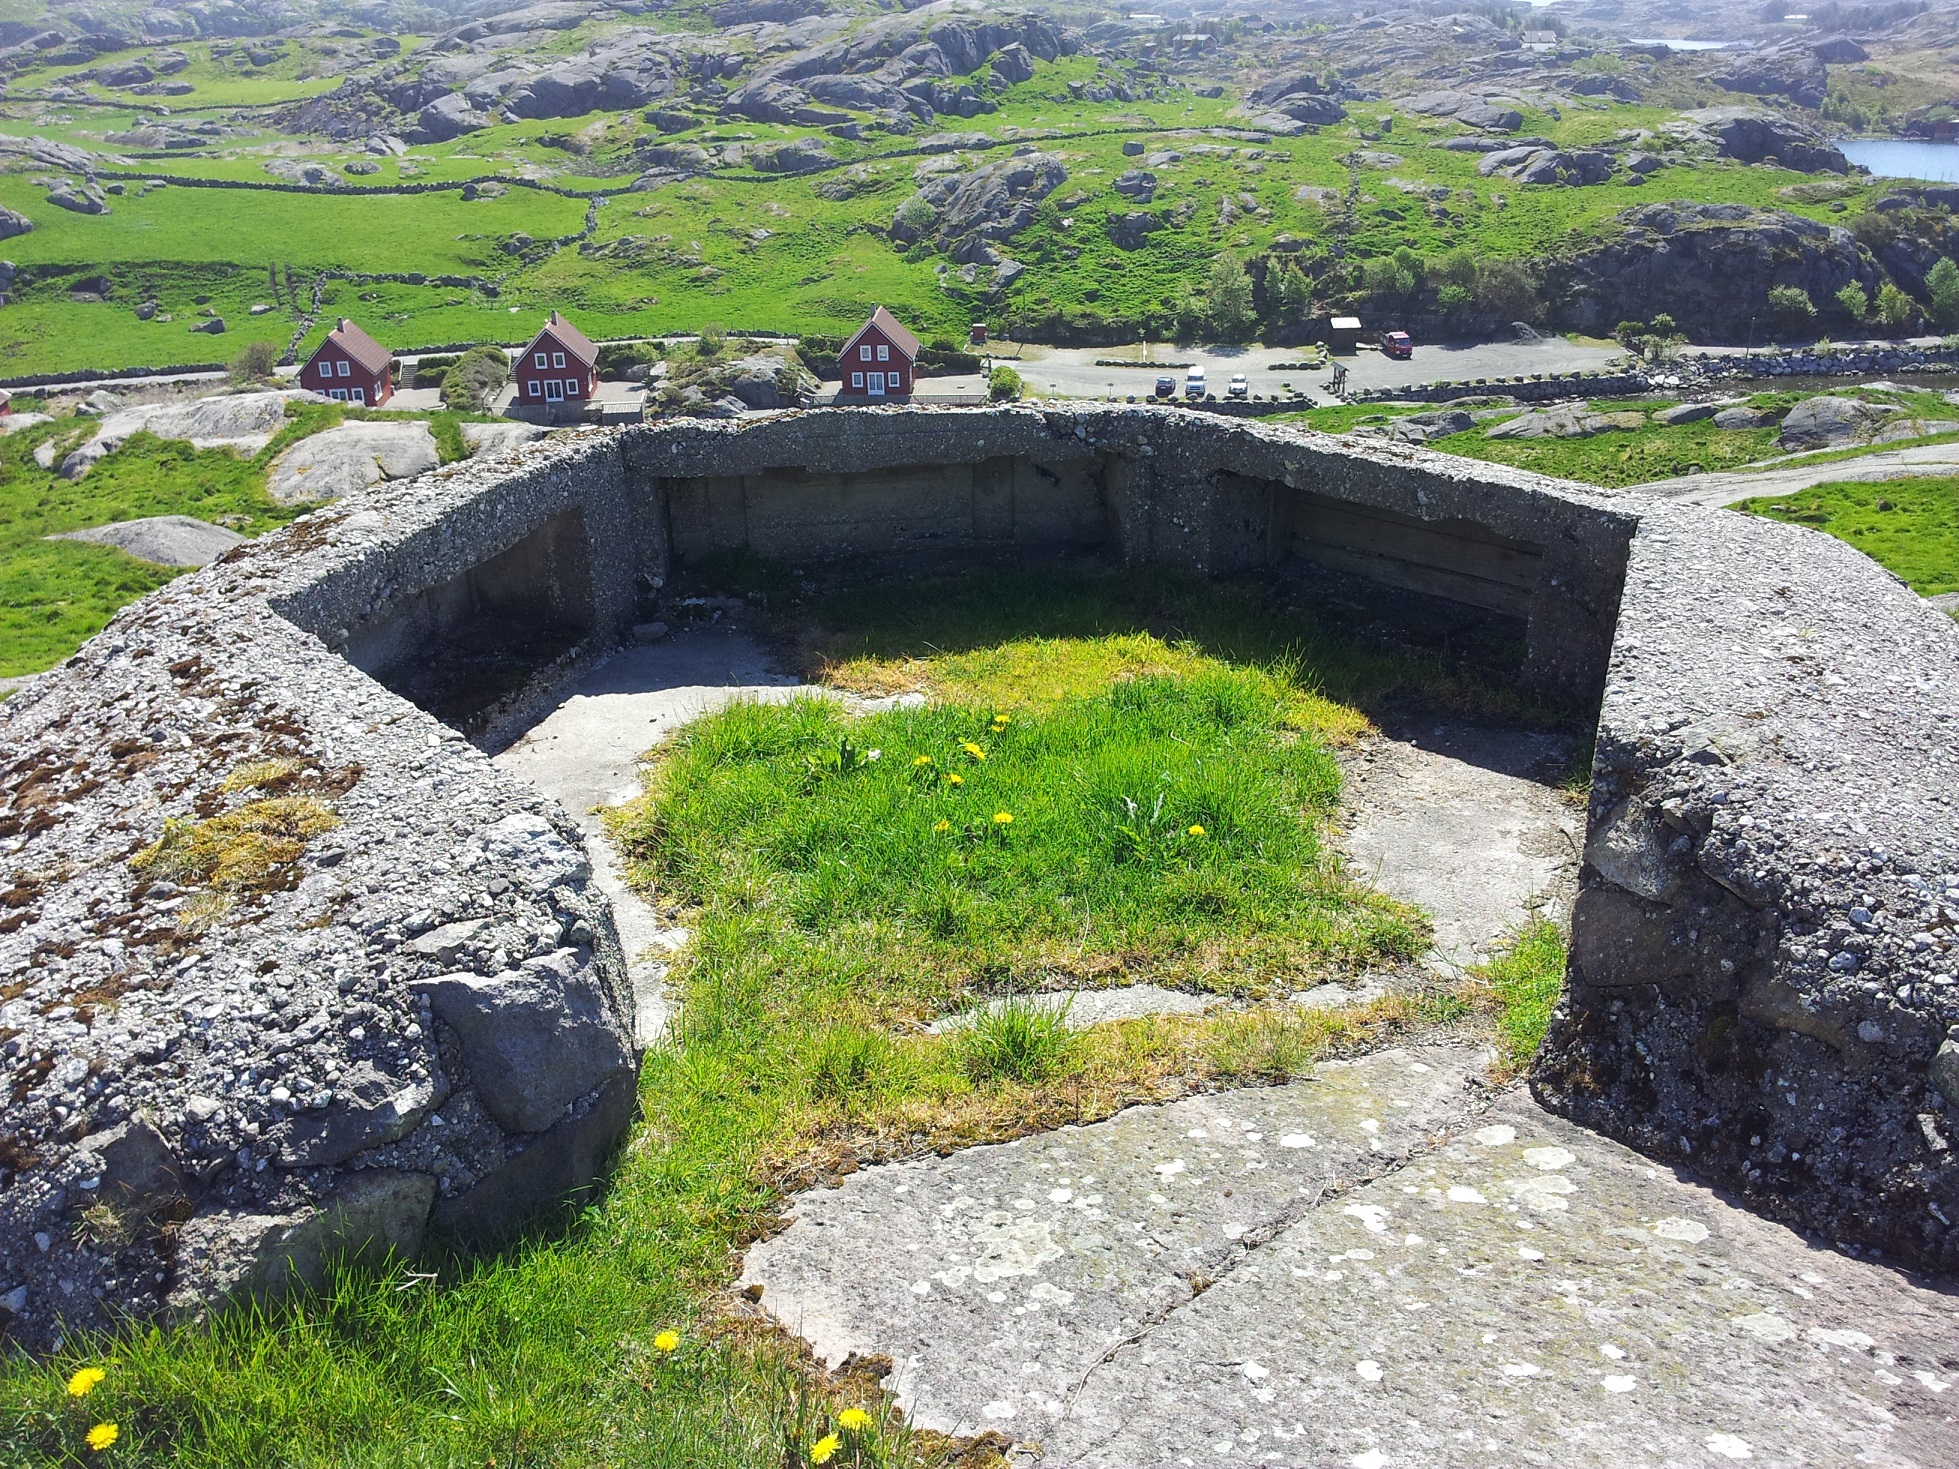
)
(1894, 308)
(713, 338)
(1230, 308)
(1628, 334)
(1294, 295)
(1791, 309)
(254, 364)
(1003, 385)
(1853, 302)
(1942, 285)
(1458, 268)
(1507, 290)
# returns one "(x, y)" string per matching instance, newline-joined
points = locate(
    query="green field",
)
(809, 253)
(1910, 526)
(1169, 798)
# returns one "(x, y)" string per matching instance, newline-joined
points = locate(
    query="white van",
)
(1194, 384)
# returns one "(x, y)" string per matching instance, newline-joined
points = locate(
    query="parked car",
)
(1194, 383)
(1397, 344)
(1166, 387)
(1238, 387)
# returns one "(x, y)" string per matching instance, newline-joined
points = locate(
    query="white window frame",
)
(571, 388)
(558, 359)
(877, 385)
(883, 353)
(345, 369)
(893, 379)
(339, 395)
(544, 359)
(554, 391)
(536, 387)
(857, 379)
(864, 353)
(359, 395)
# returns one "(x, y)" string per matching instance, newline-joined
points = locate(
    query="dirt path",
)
(1727, 487)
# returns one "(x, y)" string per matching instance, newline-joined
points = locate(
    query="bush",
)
(1229, 308)
(713, 338)
(617, 359)
(1507, 290)
(1853, 303)
(1004, 385)
(254, 364)
(477, 377)
(1894, 308)
(1791, 309)
(1942, 286)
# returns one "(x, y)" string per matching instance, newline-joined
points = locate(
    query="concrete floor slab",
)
(1530, 1293)
(1459, 819)
(997, 1279)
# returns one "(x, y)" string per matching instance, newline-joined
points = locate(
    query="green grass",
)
(1525, 981)
(1910, 526)
(56, 594)
(827, 911)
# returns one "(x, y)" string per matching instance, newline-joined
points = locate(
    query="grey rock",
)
(1742, 416)
(449, 117)
(535, 1038)
(1567, 421)
(348, 458)
(223, 1258)
(1826, 421)
(166, 540)
(139, 1173)
(1131, 230)
(368, 1110)
(1943, 1073)
(13, 223)
(245, 422)
(1752, 135)
(1683, 413)
(494, 438)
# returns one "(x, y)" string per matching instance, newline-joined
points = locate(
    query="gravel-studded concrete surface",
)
(1466, 822)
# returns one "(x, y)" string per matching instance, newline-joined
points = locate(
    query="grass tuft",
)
(1022, 1040)
(1523, 982)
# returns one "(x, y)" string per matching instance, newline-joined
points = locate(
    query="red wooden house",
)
(350, 367)
(559, 367)
(881, 361)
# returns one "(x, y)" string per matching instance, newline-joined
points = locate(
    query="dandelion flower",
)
(942, 825)
(1001, 721)
(1003, 818)
(824, 1449)
(853, 1420)
(666, 1341)
(84, 1382)
(1197, 831)
(923, 760)
(102, 1435)
(973, 751)
(955, 779)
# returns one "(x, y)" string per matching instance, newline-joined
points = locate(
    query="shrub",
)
(713, 338)
(254, 364)
(1229, 307)
(1853, 302)
(1507, 290)
(1790, 308)
(1004, 385)
(477, 377)
(1894, 307)
(1942, 286)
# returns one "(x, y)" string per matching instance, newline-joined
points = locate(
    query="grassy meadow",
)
(1165, 751)
(1910, 526)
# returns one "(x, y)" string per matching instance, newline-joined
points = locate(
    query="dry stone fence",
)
(291, 969)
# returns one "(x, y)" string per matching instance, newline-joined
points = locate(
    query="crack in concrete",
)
(1252, 1241)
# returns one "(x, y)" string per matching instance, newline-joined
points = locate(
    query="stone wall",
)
(399, 1004)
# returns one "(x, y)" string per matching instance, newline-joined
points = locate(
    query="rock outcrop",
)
(1752, 135)
(964, 213)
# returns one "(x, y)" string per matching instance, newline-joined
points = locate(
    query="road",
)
(1070, 372)
(1729, 486)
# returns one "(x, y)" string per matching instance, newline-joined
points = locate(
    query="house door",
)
(554, 391)
(876, 388)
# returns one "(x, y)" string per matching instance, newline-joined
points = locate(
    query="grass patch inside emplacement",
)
(846, 878)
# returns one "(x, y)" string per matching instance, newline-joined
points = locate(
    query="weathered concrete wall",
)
(420, 1017)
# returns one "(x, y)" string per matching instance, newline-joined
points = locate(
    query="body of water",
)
(1897, 158)
(1674, 43)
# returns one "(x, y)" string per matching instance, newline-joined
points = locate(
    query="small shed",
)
(559, 368)
(1343, 334)
(881, 361)
(350, 367)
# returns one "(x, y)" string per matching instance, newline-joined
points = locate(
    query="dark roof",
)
(358, 345)
(570, 337)
(885, 322)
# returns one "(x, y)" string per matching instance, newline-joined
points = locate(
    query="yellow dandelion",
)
(1197, 831)
(923, 760)
(1003, 818)
(1001, 721)
(853, 1420)
(973, 751)
(102, 1435)
(942, 825)
(666, 1341)
(824, 1449)
(84, 1382)
(955, 779)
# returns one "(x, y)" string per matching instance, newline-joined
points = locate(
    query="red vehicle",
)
(1397, 344)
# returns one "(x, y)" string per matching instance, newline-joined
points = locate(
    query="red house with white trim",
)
(558, 368)
(881, 361)
(350, 367)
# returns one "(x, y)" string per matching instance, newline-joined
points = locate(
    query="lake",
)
(1893, 158)
(1674, 43)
